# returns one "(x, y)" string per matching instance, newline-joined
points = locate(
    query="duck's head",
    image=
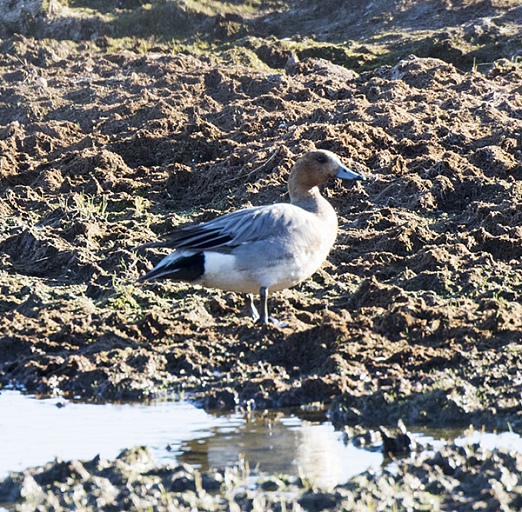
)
(316, 167)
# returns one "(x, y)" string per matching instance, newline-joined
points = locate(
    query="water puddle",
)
(35, 431)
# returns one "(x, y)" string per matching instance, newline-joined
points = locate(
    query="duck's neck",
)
(309, 199)
(302, 186)
(300, 193)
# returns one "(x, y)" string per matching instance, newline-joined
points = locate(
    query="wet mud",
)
(453, 478)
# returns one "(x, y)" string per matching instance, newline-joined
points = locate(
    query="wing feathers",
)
(233, 229)
(198, 239)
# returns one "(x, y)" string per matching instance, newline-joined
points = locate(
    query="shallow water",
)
(35, 431)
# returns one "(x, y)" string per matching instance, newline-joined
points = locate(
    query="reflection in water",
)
(276, 442)
(33, 432)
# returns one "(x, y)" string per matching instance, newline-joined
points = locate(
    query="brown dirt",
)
(417, 313)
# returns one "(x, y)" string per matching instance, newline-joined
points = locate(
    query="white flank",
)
(217, 263)
(221, 271)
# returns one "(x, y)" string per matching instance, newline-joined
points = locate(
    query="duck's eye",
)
(321, 159)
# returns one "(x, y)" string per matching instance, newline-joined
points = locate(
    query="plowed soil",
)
(416, 315)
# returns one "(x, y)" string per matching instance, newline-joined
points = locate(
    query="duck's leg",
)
(264, 318)
(253, 311)
(263, 294)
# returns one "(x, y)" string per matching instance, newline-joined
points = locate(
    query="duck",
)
(262, 249)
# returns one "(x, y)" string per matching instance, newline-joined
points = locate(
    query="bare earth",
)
(416, 315)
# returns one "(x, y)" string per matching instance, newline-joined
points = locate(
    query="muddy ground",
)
(415, 316)
(454, 479)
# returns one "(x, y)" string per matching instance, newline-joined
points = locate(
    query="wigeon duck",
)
(260, 249)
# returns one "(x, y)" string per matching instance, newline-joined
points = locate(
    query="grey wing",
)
(233, 229)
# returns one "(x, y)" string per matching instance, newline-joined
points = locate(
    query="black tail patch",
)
(188, 268)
